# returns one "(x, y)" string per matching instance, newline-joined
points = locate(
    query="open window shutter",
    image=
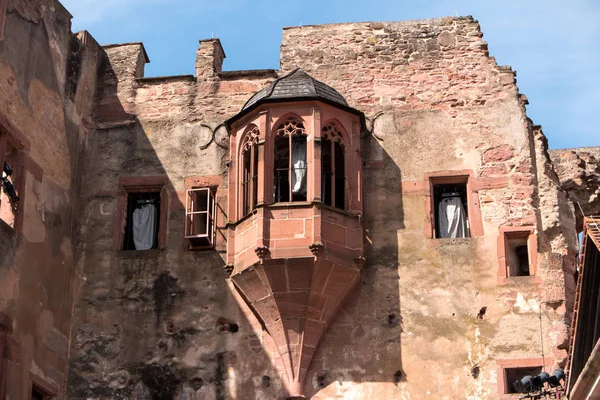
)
(199, 217)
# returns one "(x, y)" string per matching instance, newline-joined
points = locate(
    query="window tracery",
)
(250, 170)
(290, 164)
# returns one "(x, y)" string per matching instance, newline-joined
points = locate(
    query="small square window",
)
(143, 220)
(200, 211)
(514, 375)
(450, 210)
(517, 254)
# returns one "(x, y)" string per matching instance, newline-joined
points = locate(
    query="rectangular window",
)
(450, 210)
(517, 254)
(250, 180)
(290, 169)
(200, 212)
(142, 213)
(513, 377)
(9, 198)
(143, 221)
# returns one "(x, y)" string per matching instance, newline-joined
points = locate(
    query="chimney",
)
(209, 58)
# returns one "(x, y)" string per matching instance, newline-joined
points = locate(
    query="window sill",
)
(519, 280)
(139, 253)
(290, 204)
(337, 210)
(450, 241)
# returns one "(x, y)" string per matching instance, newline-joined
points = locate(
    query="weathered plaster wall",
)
(46, 94)
(155, 323)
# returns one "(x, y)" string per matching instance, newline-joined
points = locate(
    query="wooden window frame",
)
(141, 184)
(215, 184)
(211, 209)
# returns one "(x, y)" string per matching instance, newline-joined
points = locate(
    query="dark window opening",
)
(450, 210)
(333, 172)
(37, 395)
(9, 196)
(516, 374)
(290, 170)
(142, 224)
(517, 254)
(250, 180)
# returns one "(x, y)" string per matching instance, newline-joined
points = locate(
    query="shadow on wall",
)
(363, 343)
(158, 324)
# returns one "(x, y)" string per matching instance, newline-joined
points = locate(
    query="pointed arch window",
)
(333, 174)
(290, 161)
(249, 177)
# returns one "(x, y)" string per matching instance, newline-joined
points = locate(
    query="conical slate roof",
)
(295, 86)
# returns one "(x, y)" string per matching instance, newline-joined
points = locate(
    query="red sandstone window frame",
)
(5, 329)
(141, 184)
(47, 390)
(502, 249)
(284, 130)
(472, 205)
(333, 135)
(504, 364)
(248, 178)
(2, 17)
(214, 183)
(21, 163)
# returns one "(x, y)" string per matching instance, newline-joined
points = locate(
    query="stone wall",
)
(47, 82)
(579, 173)
(430, 317)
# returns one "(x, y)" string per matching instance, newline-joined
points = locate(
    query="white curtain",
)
(452, 218)
(299, 167)
(144, 227)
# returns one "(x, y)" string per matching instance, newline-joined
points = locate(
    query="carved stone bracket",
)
(360, 260)
(262, 252)
(228, 268)
(316, 248)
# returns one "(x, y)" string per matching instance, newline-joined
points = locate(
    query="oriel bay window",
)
(333, 179)
(250, 170)
(290, 161)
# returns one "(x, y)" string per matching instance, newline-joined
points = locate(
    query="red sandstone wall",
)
(47, 82)
(437, 104)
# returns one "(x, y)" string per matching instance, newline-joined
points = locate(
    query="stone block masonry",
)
(91, 321)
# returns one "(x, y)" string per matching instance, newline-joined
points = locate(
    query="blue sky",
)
(553, 45)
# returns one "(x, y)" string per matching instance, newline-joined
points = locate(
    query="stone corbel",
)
(262, 252)
(316, 248)
(228, 268)
(360, 260)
